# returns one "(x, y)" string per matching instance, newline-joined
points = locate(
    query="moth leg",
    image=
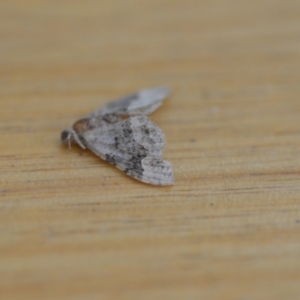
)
(73, 136)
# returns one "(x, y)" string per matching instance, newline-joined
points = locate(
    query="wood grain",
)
(74, 227)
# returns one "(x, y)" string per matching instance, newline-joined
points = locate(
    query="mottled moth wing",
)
(134, 146)
(143, 102)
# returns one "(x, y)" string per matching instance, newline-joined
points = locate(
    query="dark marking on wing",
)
(134, 166)
(127, 132)
(111, 118)
(111, 159)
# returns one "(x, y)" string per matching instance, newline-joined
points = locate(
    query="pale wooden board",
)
(74, 227)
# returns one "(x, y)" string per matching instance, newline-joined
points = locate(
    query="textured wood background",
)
(74, 227)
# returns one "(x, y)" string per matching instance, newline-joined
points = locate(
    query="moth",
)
(122, 134)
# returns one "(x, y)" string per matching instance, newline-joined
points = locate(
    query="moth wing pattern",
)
(143, 102)
(134, 146)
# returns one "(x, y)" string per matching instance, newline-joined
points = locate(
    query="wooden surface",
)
(74, 227)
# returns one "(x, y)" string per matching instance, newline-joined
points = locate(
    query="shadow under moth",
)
(133, 144)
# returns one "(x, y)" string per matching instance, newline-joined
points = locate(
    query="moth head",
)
(69, 137)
